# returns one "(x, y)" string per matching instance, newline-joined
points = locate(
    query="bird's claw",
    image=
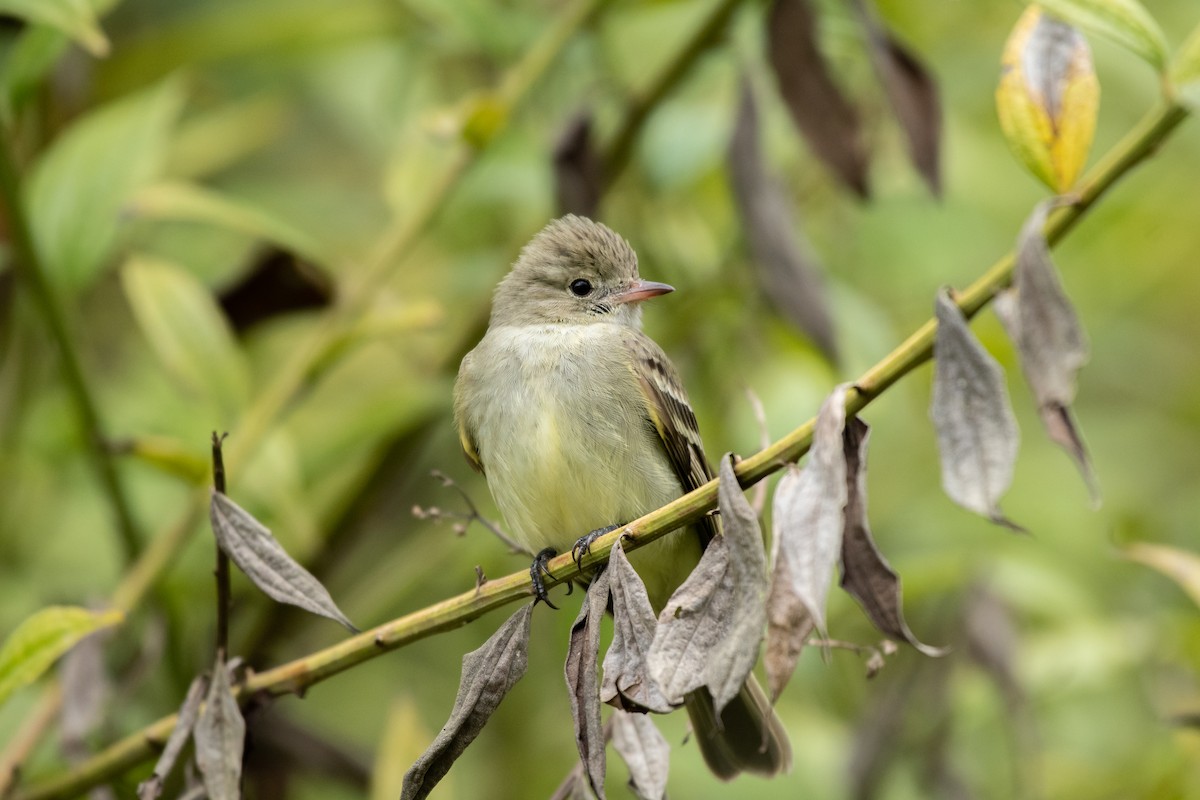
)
(536, 571)
(583, 545)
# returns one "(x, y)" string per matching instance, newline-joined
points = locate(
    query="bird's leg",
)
(583, 545)
(536, 570)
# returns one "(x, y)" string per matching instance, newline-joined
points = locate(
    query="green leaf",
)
(75, 18)
(192, 203)
(1125, 22)
(1181, 566)
(31, 57)
(40, 640)
(187, 331)
(77, 189)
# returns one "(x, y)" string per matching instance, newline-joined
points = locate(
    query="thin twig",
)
(31, 271)
(222, 571)
(435, 514)
(296, 676)
(705, 36)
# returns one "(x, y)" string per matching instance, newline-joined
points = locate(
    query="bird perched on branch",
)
(579, 422)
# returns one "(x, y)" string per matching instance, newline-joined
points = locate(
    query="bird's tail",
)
(747, 737)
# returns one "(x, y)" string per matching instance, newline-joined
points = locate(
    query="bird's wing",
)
(466, 436)
(668, 409)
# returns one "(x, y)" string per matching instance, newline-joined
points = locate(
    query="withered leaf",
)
(912, 93)
(574, 786)
(866, 575)
(977, 433)
(577, 169)
(86, 689)
(627, 683)
(807, 519)
(646, 753)
(821, 112)
(488, 674)
(710, 631)
(1050, 341)
(582, 687)
(1048, 97)
(264, 561)
(220, 734)
(784, 267)
(152, 787)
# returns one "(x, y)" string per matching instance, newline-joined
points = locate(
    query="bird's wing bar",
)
(671, 414)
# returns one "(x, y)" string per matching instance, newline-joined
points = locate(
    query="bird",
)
(579, 423)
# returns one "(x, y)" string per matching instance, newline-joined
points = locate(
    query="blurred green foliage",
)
(159, 176)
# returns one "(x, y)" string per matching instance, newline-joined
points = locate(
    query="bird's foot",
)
(536, 571)
(583, 545)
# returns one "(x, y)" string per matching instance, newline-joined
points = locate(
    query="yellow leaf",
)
(1181, 566)
(1048, 97)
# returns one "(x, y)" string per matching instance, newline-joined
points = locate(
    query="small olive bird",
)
(579, 422)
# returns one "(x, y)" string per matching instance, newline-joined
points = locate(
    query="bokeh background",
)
(235, 135)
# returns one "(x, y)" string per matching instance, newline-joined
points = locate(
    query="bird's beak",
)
(641, 290)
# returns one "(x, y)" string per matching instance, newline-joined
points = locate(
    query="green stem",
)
(298, 675)
(677, 68)
(32, 273)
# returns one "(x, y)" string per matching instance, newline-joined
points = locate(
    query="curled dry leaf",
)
(786, 272)
(646, 753)
(582, 688)
(866, 575)
(1048, 97)
(86, 689)
(912, 93)
(627, 684)
(152, 787)
(577, 168)
(807, 520)
(256, 552)
(821, 112)
(710, 630)
(487, 676)
(1039, 317)
(220, 735)
(977, 433)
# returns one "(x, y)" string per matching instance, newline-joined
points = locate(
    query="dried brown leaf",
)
(646, 753)
(578, 181)
(627, 684)
(912, 93)
(1049, 339)
(821, 112)
(264, 561)
(786, 272)
(866, 575)
(86, 690)
(807, 520)
(977, 433)
(710, 631)
(582, 687)
(152, 787)
(488, 674)
(220, 735)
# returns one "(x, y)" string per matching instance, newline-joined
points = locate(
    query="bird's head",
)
(574, 272)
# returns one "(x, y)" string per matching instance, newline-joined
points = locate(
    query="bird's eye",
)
(580, 287)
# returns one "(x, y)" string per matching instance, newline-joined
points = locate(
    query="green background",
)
(331, 123)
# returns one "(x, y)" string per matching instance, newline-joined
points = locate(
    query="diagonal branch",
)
(32, 272)
(296, 676)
